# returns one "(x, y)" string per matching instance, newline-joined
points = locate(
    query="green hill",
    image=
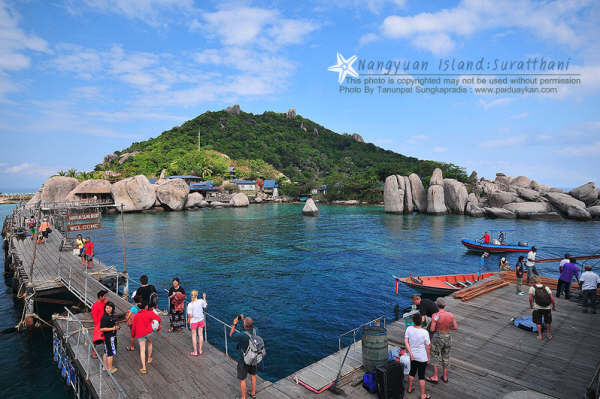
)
(263, 145)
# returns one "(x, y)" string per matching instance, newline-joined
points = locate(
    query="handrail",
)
(87, 341)
(354, 331)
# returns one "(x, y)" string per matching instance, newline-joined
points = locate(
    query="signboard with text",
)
(80, 217)
(84, 226)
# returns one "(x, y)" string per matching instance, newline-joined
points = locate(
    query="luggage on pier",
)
(369, 382)
(390, 380)
(526, 323)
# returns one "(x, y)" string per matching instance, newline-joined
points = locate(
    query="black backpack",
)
(541, 297)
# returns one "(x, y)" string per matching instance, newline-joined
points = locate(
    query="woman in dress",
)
(176, 305)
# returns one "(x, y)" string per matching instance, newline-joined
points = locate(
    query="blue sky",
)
(80, 79)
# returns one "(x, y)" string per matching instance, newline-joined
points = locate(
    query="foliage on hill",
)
(262, 145)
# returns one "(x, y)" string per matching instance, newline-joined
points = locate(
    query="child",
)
(32, 227)
(109, 328)
(129, 319)
(143, 331)
(195, 318)
(80, 244)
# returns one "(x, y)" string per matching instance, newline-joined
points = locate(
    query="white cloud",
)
(152, 12)
(504, 142)
(27, 168)
(367, 38)
(495, 103)
(592, 150)
(440, 149)
(522, 115)
(438, 43)
(417, 139)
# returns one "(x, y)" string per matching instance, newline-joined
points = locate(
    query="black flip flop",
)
(428, 379)
(445, 380)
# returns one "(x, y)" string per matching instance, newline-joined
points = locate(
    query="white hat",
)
(503, 259)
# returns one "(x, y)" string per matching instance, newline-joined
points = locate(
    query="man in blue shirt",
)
(564, 281)
(242, 339)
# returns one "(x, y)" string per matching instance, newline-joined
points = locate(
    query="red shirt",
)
(486, 238)
(88, 248)
(98, 311)
(142, 323)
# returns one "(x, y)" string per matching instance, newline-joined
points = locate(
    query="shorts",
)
(200, 324)
(110, 346)
(45, 233)
(440, 349)
(145, 337)
(243, 370)
(81, 252)
(415, 366)
(32, 230)
(89, 258)
(538, 314)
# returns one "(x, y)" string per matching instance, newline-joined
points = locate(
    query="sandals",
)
(149, 361)
(193, 354)
(143, 371)
(445, 380)
(430, 380)
(130, 348)
(252, 396)
(114, 370)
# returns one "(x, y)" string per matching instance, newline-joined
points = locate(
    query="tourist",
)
(80, 245)
(32, 227)
(530, 264)
(542, 303)
(519, 273)
(88, 251)
(176, 306)
(129, 320)
(566, 259)
(195, 318)
(417, 343)
(426, 308)
(146, 290)
(143, 329)
(588, 283)
(504, 265)
(109, 328)
(501, 238)
(569, 270)
(97, 313)
(482, 260)
(45, 229)
(442, 322)
(242, 340)
(485, 238)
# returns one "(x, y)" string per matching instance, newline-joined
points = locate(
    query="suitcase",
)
(390, 380)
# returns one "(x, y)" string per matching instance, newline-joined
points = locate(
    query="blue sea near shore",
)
(304, 280)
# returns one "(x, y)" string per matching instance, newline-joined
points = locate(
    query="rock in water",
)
(499, 213)
(498, 199)
(474, 210)
(173, 193)
(239, 200)
(56, 188)
(408, 198)
(193, 200)
(435, 200)
(135, 193)
(578, 213)
(89, 186)
(436, 177)
(419, 195)
(455, 196)
(393, 197)
(588, 193)
(310, 209)
(527, 210)
(527, 194)
(569, 206)
(472, 198)
(594, 211)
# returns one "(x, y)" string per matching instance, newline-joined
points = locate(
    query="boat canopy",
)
(502, 231)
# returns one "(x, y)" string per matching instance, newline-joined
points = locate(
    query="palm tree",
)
(72, 172)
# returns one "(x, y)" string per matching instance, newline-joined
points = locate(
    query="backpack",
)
(541, 297)
(256, 350)
(153, 300)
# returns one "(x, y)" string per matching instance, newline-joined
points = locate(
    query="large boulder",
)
(436, 177)
(56, 188)
(393, 195)
(419, 196)
(567, 204)
(486, 187)
(473, 210)
(89, 186)
(495, 212)
(498, 199)
(587, 193)
(578, 213)
(527, 194)
(134, 193)
(472, 198)
(594, 211)
(521, 181)
(310, 209)
(435, 200)
(239, 200)
(193, 200)
(408, 197)
(35, 200)
(526, 210)
(455, 196)
(172, 193)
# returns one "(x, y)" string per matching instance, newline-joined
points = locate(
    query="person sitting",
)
(504, 265)
(501, 239)
(486, 238)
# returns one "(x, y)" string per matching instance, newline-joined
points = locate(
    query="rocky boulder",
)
(567, 204)
(436, 177)
(521, 181)
(472, 198)
(594, 211)
(89, 186)
(419, 196)
(172, 193)
(239, 200)
(310, 209)
(126, 156)
(234, 109)
(588, 193)
(193, 200)
(527, 194)
(435, 200)
(358, 137)
(498, 199)
(502, 213)
(110, 157)
(393, 195)
(134, 193)
(408, 197)
(473, 210)
(56, 188)
(526, 210)
(578, 213)
(455, 196)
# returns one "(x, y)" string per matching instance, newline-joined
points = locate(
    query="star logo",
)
(344, 67)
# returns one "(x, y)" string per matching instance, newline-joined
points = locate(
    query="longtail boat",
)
(441, 285)
(498, 244)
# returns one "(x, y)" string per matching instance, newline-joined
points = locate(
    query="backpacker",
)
(153, 300)
(541, 297)
(390, 380)
(256, 350)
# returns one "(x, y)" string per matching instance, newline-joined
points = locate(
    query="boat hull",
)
(438, 285)
(493, 248)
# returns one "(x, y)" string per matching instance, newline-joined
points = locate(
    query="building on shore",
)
(206, 188)
(245, 186)
(271, 188)
(188, 179)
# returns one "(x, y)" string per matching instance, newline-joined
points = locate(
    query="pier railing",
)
(355, 331)
(79, 345)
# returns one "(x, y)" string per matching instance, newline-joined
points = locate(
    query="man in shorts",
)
(88, 251)
(242, 339)
(542, 303)
(442, 323)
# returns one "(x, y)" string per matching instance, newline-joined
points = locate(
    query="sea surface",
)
(303, 280)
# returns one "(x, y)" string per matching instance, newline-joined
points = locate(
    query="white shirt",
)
(196, 310)
(590, 280)
(530, 259)
(418, 338)
(563, 262)
(405, 361)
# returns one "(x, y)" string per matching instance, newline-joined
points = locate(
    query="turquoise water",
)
(303, 280)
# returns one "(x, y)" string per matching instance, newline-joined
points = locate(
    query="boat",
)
(441, 285)
(498, 243)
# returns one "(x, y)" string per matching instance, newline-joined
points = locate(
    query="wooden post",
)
(126, 285)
